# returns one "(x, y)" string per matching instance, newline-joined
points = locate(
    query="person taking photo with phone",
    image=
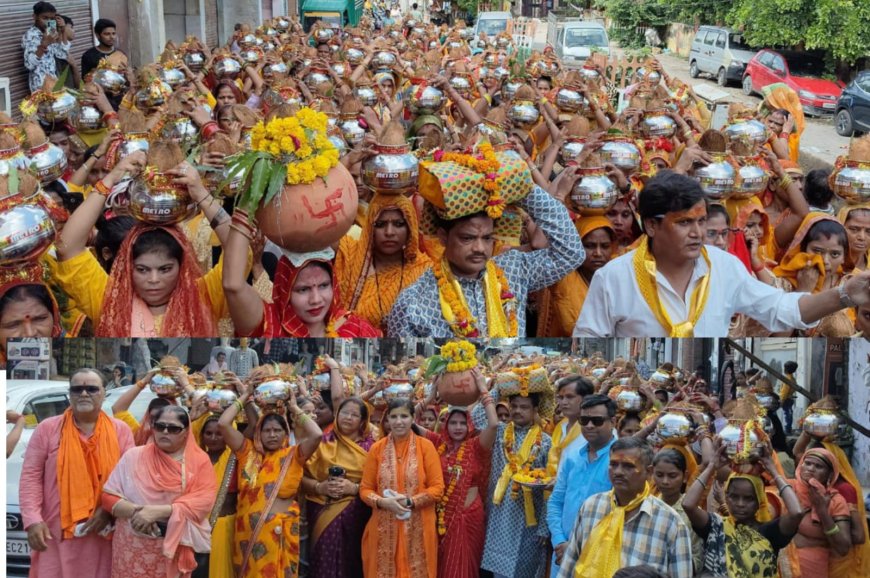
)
(43, 43)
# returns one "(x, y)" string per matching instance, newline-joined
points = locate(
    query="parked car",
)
(574, 39)
(493, 23)
(719, 52)
(853, 108)
(802, 71)
(39, 400)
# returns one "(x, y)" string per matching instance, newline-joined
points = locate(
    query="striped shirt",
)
(653, 534)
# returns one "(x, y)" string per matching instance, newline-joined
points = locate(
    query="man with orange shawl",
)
(67, 461)
(163, 490)
(373, 270)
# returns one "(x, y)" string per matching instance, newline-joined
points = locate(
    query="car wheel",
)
(747, 85)
(693, 69)
(844, 123)
(721, 78)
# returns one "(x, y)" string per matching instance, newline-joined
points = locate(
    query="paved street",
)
(820, 143)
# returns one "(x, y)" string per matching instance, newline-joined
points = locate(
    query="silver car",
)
(720, 53)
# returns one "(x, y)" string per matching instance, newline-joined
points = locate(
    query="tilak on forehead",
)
(697, 211)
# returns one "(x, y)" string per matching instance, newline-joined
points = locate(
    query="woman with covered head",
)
(742, 541)
(160, 495)
(27, 307)
(561, 303)
(155, 287)
(387, 258)
(270, 474)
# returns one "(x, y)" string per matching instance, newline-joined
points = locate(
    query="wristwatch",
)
(846, 302)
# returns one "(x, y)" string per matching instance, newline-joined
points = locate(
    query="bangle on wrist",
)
(101, 188)
(833, 531)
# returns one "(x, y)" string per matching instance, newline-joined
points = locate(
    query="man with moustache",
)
(582, 472)
(513, 542)
(628, 526)
(67, 461)
(671, 285)
(471, 271)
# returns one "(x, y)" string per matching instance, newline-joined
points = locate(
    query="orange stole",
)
(559, 306)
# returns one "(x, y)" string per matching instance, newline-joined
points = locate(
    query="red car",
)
(801, 71)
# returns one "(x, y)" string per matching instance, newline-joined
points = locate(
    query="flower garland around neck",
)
(486, 163)
(523, 374)
(513, 460)
(465, 324)
(454, 470)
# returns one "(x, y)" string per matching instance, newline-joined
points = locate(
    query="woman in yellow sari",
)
(560, 304)
(387, 258)
(337, 516)
(814, 263)
(856, 219)
(266, 540)
(223, 514)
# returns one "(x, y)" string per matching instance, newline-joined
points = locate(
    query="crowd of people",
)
(556, 466)
(241, 190)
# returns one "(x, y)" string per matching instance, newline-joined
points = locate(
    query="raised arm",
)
(233, 437)
(245, 305)
(311, 434)
(487, 436)
(128, 397)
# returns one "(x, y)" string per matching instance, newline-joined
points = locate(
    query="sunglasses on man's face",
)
(595, 420)
(82, 389)
(168, 428)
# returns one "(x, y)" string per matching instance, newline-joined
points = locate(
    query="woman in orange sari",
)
(270, 472)
(856, 219)
(824, 533)
(373, 270)
(560, 304)
(402, 482)
(161, 495)
(337, 516)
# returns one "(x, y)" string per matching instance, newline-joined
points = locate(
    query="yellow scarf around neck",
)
(602, 553)
(515, 463)
(645, 274)
(560, 443)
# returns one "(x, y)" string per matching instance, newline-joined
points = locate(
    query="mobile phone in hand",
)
(51, 26)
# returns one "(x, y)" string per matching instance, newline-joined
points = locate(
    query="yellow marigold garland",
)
(523, 374)
(485, 163)
(461, 356)
(513, 460)
(466, 324)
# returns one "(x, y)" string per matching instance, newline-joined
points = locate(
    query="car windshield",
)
(491, 27)
(736, 42)
(580, 37)
(805, 65)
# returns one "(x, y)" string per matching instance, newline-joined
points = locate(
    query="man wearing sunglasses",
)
(628, 526)
(68, 460)
(583, 471)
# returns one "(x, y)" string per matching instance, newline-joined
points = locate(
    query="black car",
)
(853, 108)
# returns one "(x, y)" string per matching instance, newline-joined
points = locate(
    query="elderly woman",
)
(161, 495)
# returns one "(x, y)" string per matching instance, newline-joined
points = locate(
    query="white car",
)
(39, 400)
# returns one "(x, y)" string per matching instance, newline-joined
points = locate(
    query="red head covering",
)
(30, 274)
(281, 320)
(188, 313)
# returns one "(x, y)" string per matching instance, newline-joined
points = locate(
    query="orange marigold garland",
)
(523, 374)
(454, 470)
(465, 324)
(485, 163)
(509, 299)
(513, 459)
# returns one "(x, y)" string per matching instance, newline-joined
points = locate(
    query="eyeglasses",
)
(713, 233)
(82, 389)
(168, 428)
(595, 420)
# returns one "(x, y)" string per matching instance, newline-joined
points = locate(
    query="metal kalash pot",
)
(621, 152)
(674, 427)
(87, 119)
(717, 179)
(153, 95)
(26, 232)
(180, 130)
(629, 399)
(351, 130)
(58, 108)
(394, 170)
(821, 423)
(111, 81)
(524, 113)
(509, 89)
(48, 161)
(194, 60)
(273, 392)
(462, 85)
(740, 446)
(133, 141)
(317, 78)
(851, 181)
(355, 56)
(384, 59)
(751, 131)
(570, 151)
(173, 76)
(425, 99)
(751, 178)
(156, 200)
(570, 101)
(366, 95)
(228, 68)
(657, 124)
(11, 159)
(220, 399)
(594, 193)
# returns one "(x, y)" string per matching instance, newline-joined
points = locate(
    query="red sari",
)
(461, 530)
(280, 320)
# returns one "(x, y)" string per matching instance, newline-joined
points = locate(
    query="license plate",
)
(17, 548)
(829, 105)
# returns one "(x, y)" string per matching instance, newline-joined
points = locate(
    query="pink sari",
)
(147, 475)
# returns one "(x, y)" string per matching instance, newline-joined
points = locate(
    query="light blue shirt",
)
(578, 478)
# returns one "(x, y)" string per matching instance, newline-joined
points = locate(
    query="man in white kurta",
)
(674, 286)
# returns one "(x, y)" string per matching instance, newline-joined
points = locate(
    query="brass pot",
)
(26, 232)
